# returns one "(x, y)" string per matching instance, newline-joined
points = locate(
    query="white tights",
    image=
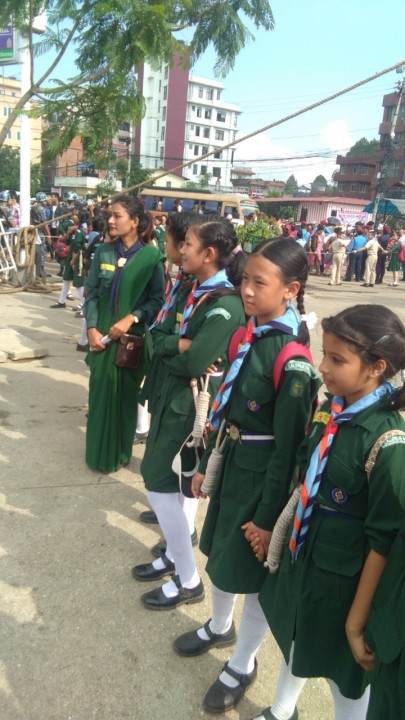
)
(175, 528)
(253, 628)
(64, 291)
(142, 419)
(288, 690)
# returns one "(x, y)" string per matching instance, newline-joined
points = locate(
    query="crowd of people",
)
(231, 335)
(306, 503)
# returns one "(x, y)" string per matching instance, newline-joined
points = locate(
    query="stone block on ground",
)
(19, 347)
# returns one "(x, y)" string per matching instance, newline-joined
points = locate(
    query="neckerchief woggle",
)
(288, 323)
(220, 279)
(124, 256)
(319, 459)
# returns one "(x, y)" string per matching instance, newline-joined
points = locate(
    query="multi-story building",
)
(10, 93)
(185, 118)
(392, 140)
(356, 177)
(243, 182)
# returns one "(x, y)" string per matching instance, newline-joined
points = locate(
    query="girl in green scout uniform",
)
(345, 521)
(124, 291)
(193, 336)
(73, 264)
(264, 429)
(385, 636)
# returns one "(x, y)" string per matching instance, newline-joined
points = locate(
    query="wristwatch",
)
(136, 319)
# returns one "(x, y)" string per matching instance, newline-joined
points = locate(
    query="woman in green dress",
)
(124, 292)
(394, 265)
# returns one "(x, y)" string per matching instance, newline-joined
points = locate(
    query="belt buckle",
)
(234, 433)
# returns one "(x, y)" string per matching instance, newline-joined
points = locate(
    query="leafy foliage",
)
(10, 172)
(364, 147)
(291, 186)
(110, 39)
(251, 234)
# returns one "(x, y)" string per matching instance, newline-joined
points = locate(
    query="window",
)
(196, 149)
(9, 135)
(195, 169)
(341, 187)
(162, 134)
(221, 116)
(190, 147)
(160, 86)
(219, 134)
(362, 187)
(209, 94)
(164, 113)
(157, 125)
(161, 152)
(218, 155)
(206, 132)
(168, 184)
(400, 139)
(5, 111)
(18, 135)
(355, 169)
(364, 169)
(198, 112)
(157, 145)
(401, 114)
(353, 187)
(203, 170)
(158, 105)
(166, 72)
(393, 168)
(207, 114)
(200, 92)
(165, 92)
(343, 170)
(216, 171)
(197, 130)
(389, 111)
(193, 108)
(218, 94)
(204, 150)
(191, 127)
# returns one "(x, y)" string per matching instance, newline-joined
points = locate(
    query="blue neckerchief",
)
(317, 463)
(288, 323)
(220, 279)
(121, 253)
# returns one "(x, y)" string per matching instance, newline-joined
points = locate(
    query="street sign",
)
(8, 45)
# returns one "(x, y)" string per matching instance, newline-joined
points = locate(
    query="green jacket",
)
(307, 601)
(255, 479)
(172, 403)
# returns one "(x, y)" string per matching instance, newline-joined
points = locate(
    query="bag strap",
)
(372, 457)
(289, 351)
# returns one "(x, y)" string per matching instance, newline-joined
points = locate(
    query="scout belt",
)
(247, 438)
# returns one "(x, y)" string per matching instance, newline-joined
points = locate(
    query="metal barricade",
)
(7, 262)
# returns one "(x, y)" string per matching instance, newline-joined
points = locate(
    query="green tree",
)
(204, 180)
(38, 180)
(110, 39)
(319, 185)
(291, 186)
(9, 168)
(137, 173)
(364, 147)
(251, 234)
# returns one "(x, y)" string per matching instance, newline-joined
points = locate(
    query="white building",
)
(185, 118)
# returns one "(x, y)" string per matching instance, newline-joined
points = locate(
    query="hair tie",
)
(237, 249)
(311, 319)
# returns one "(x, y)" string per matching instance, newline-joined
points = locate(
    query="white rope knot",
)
(214, 462)
(277, 541)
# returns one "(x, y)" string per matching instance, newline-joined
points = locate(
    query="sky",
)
(316, 48)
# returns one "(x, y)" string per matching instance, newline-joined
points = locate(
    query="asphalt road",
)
(76, 643)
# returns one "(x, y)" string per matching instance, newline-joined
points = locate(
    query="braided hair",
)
(375, 333)
(292, 262)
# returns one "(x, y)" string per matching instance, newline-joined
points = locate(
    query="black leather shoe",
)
(221, 698)
(190, 644)
(268, 715)
(147, 572)
(160, 547)
(157, 600)
(140, 438)
(58, 305)
(148, 517)
(82, 348)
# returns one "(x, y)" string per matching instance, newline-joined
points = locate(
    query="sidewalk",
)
(76, 642)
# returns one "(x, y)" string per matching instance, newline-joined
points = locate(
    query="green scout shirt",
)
(307, 602)
(255, 479)
(173, 409)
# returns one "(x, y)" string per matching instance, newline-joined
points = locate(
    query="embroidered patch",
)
(339, 496)
(253, 406)
(219, 311)
(299, 365)
(321, 417)
(106, 266)
(396, 440)
(296, 389)
(179, 317)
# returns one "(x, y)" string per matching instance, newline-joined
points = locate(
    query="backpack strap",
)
(289, 351)
(372, 456)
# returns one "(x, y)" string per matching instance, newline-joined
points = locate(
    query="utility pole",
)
(25, 129)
